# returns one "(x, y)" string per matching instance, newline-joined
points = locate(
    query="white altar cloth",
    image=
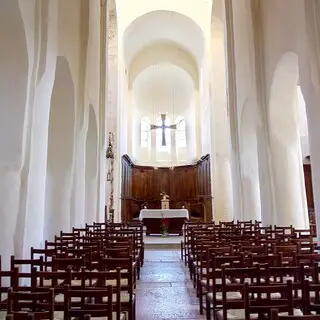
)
(164, 213)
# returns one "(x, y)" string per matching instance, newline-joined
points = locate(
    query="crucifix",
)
(163, 127)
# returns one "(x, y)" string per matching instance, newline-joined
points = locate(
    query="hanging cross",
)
(163, 127)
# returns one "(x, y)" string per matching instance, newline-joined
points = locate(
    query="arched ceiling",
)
(159, 27)
(167, 53)
(163, 88)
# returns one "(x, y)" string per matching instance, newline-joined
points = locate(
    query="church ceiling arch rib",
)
(129, 10)
(163, 26)
(168, 53)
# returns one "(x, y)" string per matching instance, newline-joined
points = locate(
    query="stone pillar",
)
(233, 114)
(263, 150)
(309, 65)
(220, 128)
(223, 202)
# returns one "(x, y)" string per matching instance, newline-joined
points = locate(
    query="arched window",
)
(159, 135)
(181, 137)
(145, 133)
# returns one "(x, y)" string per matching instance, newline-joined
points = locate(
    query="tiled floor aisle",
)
(164, 290)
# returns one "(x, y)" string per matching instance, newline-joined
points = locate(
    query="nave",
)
(228, 270)
(165, 290)
(100, 271)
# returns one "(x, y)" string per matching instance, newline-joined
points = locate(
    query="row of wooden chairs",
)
(90, 271)
(219, 257)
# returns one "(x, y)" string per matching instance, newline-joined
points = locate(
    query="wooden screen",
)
(188, 186)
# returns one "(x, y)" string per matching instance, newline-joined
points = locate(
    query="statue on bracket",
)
(164, 196)
(164, 201)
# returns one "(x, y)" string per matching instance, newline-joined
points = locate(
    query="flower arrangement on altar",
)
(164, 227)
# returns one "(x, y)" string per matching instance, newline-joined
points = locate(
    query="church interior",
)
(160, 153)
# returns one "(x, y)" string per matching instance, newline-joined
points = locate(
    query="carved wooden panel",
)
(308, 183)
(162, 179)
(187, 186)
(142, 180)
(183, 183)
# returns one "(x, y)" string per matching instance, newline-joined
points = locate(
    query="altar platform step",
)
(159, 242)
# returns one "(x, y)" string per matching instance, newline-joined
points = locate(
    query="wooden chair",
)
(258, 300)
(212, 279)
(128, 297)
(94, 302)
(45, 254)
(8, 279)
(40, 304)
(230, 304)
(65, 263)
(274, 315)
(20, 316)
(25, 267)
(101, 280)
(42, 280)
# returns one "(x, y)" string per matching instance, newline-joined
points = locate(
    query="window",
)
(181, 138)
(145, 133)
(167, 133)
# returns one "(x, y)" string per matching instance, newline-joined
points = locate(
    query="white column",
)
(267, 205)
(223, 202)
(309, 65)
(233, 114)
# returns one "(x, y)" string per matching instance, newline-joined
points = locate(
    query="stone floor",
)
(164, 290)
(157, 239)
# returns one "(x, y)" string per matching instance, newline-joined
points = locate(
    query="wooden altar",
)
(152, 219)
(189, 186)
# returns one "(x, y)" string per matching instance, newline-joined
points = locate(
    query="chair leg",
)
(190, 269)
(134, 311)
(200, 297)
(195, 277)
(208, 310)
(138, 269)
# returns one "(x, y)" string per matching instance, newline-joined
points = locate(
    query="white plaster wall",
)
(302, 123)
(16, 69)
(245, 186)
(91, 168)
(204, 109)
(31, 61)
(221, 168)
(163, 88)
(282, 73)
(33, 196)
(250, 169)
(60, 153)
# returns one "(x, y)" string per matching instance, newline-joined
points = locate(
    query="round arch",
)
(168, 53)
(14, 69)
(91, 168)
(163, 26)
(290, 197)
(60, 152)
